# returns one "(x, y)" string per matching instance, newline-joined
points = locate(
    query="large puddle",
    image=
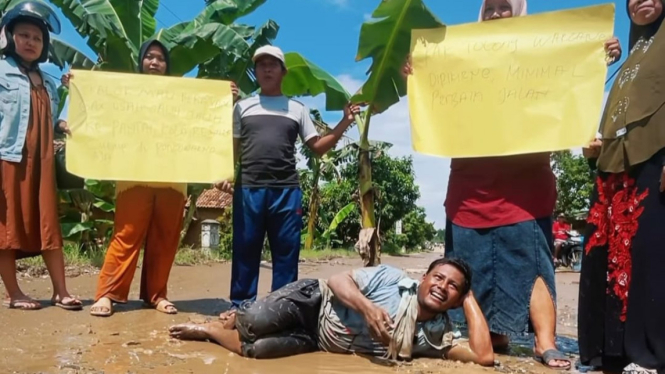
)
(135, 340)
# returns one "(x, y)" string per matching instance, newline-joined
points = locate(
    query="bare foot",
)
(102, 308)
(230, 322)
(189, 331)
(226, 315)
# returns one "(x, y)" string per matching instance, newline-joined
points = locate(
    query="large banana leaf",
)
(386, 39)
(242, 70)
(339, 218)
(227, 11)
(305, 78)
(203, 43)
(137, 18)
(96, 21)
(61, 53)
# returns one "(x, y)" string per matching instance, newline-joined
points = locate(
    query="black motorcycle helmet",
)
(34, 12)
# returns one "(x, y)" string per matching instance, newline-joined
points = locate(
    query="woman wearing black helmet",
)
(28, 202)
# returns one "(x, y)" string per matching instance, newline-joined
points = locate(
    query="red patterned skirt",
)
(622, 285)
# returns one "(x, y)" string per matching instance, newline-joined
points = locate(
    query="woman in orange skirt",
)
(29, 224)
(147, 215)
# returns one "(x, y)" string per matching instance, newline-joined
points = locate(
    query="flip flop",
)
(105, 311)
(554, 354)
(165, 307)
(22, 304)
(74, 304)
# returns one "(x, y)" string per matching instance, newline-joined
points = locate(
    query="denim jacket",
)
(15, 108)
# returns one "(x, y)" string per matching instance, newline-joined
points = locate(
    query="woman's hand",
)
(613, 50)
(235, 91)
(62, 125)
(407, 69)
(593, 150)
(65, 79)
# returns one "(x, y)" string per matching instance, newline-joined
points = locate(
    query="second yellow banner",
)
(510, 86)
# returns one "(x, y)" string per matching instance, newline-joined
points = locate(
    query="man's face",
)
(269, 72)
(154, 61)
(441, 289)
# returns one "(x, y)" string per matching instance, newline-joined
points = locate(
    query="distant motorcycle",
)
(570, 253)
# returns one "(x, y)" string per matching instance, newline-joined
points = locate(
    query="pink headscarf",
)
(519, 8)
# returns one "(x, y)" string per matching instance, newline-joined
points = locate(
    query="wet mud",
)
(135, 339)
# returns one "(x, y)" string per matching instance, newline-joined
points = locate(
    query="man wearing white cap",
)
(267, 196)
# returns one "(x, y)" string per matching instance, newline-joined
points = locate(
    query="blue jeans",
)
(505, 261)
(257, 211)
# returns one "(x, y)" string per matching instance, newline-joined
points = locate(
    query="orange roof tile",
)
(213, 199)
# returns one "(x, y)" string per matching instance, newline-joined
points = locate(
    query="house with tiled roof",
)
(211, 204)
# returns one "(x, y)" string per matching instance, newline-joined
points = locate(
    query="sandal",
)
(22, 304)
(166, 307)
(67, 303)
(101, 308)
(554, 354)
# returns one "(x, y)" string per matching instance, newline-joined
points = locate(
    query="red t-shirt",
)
(559, 230)
(498, 191)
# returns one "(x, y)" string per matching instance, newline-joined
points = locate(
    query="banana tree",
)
(321, 168)
(386, 39)
(115, 30)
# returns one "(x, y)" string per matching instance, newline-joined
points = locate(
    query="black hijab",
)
(144, 50)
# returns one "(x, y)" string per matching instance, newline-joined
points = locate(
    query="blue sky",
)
(326, 32)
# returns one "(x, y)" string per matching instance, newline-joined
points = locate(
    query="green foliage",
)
(416, 231)
(386, 39)
(440, 236)
(397, 195)
(306, 78)
(574, 182)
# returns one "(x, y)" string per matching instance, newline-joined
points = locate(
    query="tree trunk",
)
(313, 208)
(191, 211)
(368, 245)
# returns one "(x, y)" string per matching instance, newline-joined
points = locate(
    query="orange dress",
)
(29, 198)
(150, 216)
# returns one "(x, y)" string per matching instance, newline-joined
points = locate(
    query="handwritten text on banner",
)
(511, 86)
(148, 128)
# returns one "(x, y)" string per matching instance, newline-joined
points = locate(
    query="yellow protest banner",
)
(147, 128)
(510, 86)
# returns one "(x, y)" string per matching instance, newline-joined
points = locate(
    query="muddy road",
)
(135, 340)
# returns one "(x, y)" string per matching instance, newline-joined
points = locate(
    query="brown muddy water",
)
(135, 340)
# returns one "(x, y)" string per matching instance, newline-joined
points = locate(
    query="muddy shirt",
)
(268, 127)
(342, 330)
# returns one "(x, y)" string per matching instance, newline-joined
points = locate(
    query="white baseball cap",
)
(269, 50)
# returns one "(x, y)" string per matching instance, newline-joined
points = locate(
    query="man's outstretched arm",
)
(481, 351)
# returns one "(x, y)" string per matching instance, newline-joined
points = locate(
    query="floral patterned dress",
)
(622, 285)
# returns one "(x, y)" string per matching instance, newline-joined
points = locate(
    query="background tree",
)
(440, 236)
(396, 191)
(416, 231)
(574, 183)
(386, 39)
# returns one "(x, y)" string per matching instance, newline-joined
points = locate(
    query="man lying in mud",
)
(377, 311)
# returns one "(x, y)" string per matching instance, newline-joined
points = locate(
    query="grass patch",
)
(187, 256)
(326, 254)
